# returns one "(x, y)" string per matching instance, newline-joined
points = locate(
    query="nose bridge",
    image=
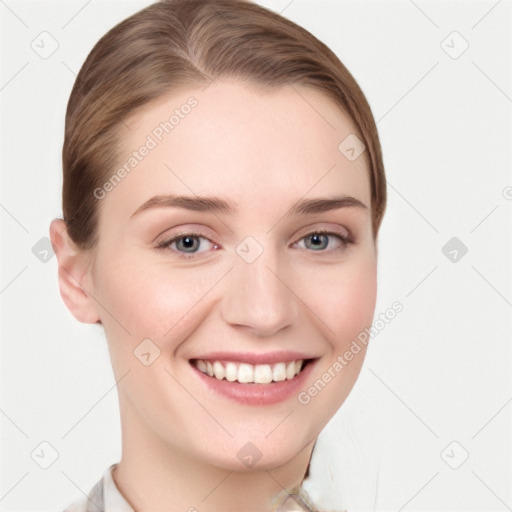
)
(255, 295)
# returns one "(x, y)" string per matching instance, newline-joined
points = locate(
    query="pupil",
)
(188, 242)
(318, 239)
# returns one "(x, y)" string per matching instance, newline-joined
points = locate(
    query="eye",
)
(319, 241)
(186, 245)
(189, 245)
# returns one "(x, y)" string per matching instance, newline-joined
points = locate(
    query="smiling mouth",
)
(245, 373)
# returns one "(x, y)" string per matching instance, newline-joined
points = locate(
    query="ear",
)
(73, 264)
(376, 244)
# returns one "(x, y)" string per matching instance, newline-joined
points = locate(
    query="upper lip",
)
(246, 357)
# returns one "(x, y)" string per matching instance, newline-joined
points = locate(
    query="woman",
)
(223, 191)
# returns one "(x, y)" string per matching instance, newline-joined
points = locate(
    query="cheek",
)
(345, 300)
(151, 301)
(357, 299)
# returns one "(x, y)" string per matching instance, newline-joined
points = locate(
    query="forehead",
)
(240, 141)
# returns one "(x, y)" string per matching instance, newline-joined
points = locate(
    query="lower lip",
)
(257, 394)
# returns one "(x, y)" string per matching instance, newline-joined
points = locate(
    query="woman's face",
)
(239, 272)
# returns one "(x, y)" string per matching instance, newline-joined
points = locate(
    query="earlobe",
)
(73, 278)
(376, 245)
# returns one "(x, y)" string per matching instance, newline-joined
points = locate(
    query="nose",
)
(258, 297)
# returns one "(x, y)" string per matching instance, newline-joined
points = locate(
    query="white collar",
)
(114, 501)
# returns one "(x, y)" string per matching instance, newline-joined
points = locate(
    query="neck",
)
(154, 476)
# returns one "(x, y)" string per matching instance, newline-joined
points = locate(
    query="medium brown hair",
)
(176, 43)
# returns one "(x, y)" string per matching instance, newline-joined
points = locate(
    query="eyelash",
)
(166, 244)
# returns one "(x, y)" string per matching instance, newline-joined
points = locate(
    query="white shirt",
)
(104, 497)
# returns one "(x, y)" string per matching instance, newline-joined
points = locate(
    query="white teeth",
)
(248, 373)
(219, 370)
(231, 372)
(278, 372)
(245, 373)
(262, 374)
(290, 370)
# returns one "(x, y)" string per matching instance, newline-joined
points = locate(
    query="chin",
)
(258, 455)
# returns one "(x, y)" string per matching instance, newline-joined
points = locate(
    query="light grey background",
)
(436, 384)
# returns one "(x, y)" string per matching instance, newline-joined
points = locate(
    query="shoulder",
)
(93, 502)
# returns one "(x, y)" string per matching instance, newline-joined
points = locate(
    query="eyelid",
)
(184, 229)
(337, 230)
(166, 242)
(345, 240)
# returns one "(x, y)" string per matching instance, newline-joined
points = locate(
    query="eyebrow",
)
(218, 205)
